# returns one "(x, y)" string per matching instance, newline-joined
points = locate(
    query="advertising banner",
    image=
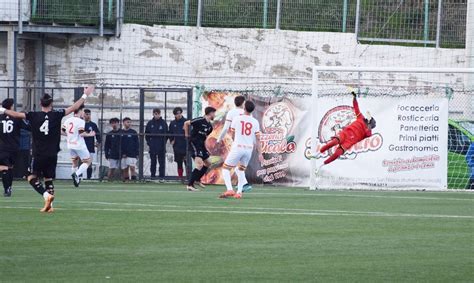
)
(407, 150)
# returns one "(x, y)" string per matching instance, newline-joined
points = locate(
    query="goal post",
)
(424, 128)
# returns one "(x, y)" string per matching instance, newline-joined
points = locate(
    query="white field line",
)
(223, 210)
(315, 194)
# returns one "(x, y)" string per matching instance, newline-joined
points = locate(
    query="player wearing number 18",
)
(9, 145)
(46, 134)
(246, 132)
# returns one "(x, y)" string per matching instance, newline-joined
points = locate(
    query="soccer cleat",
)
(51, 210)
(75, 179)
(8, 193)
(247, 188)
(47, 204)
(238, 196)
(201, 185)
(227, 194)
(191, 189)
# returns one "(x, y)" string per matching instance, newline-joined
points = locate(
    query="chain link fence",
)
(426, 22)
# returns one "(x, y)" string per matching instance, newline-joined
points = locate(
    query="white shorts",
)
(128, 161)
(114, 163)
(238, 156)
(81, 153)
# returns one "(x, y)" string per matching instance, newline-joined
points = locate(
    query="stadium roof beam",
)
(59, 29)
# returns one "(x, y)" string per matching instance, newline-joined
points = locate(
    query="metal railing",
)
(440, 23)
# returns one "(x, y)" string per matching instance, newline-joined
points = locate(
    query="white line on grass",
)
(394, 215)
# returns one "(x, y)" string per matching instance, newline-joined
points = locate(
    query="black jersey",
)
(10, 133)
(200, 129)
(46, 131)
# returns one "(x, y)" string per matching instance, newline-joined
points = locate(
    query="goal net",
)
(424, 133)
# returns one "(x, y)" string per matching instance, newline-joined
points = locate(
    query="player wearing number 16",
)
(46, 134)
(9, 145)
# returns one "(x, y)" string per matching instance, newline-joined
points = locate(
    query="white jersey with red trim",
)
(246, 129)
(234, 113)
(74, 126)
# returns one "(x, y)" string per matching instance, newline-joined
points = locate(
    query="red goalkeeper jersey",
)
(358, 129)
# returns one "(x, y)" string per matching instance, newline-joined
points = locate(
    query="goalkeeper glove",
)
(2, 110)
(354, 94)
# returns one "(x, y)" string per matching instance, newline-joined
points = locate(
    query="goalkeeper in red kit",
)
(357, 131)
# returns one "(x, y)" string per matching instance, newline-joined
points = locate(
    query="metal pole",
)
(101, 18)
(344, 16)
(265, 13)
(15, 72)
(33, 8)
(101, 132)
(117, 18)
(357, 23)
(199, 14)
(427, 18)
(141, 133)
(278, 15)
(186, 12)
(20, 18)
(438, 24)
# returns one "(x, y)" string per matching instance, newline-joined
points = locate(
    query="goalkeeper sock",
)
(241, 180)
(339, 152)
(227, 179)
(330, 144)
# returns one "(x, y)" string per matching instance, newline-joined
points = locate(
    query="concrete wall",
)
(9, 10)
(234, 58)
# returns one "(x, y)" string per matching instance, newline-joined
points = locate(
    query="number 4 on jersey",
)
(45, 127)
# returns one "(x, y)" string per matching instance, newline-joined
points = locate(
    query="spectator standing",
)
(129, 150)
(112, 147)
(156, 130)
(178, 140)
(91, 142)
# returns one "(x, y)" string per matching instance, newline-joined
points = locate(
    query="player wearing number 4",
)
(246, 132)
(46, 134)
(357, 131)
(74, 129)
(9, 145)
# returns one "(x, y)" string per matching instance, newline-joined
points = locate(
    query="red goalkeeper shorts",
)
(347, 139)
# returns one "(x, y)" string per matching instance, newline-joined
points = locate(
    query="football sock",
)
(330, 144)
(241, 180)
(180, 172)
(202, 172)
(89, 172)
(82, 169)
(73, 170)
(7, 179)
(335, 156)
(194, 176)
(49, 187)
(227, 179)
(36, 184)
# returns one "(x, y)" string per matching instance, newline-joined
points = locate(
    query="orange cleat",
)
(238, 196)
(47, 204)
(227, 194)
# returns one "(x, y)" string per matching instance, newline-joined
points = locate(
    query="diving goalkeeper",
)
(357, 131)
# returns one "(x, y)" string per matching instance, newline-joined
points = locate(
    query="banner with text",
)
(407, 150)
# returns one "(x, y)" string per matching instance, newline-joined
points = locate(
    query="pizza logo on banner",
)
(333, 122)
(277, 123)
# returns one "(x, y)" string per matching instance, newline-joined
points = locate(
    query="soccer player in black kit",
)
(9, 145)
(46, 133)
(201, 128)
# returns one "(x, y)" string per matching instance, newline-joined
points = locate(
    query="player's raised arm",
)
(355, 104)
(88, 90)
(226, 127)
(11, 113)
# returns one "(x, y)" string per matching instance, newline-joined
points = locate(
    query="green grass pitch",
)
(149, 232)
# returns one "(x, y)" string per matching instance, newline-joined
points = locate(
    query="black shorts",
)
(179, 157)
(44, 166)
(198, 151)
(7, 158)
